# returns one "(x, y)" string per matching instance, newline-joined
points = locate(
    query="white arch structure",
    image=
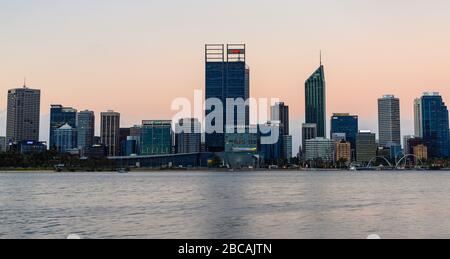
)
(369, 165)
(407, 156)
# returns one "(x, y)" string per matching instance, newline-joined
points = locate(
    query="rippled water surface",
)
(225, 205)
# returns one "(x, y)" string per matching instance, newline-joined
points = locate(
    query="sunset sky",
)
(136, 56)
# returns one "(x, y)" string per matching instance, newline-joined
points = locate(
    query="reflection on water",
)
(225, 205)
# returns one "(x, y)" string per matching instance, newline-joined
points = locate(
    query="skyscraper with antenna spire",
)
(315, 100)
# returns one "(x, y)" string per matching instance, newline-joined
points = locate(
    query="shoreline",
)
(205, 170)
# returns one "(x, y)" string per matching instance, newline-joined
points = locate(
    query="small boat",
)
(123, 170)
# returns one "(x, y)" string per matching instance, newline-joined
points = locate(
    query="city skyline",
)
(84, 58)
(297, 122)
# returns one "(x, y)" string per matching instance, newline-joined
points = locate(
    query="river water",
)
(257, 205)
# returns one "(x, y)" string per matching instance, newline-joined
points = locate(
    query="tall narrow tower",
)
(418, 117)
(86, 129)
(227, 77)
(280, 112)
(110, 132)
(389, 121)
(315, 100)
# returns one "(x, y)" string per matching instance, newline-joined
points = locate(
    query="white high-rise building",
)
(389, 121)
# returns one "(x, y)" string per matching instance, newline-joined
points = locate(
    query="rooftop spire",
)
(320, 57)
(24, 82)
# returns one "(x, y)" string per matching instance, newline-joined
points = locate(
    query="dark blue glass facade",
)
(129, 147)
(226, 79)
(271, 153)
(215, 88)
(435, 126)
(344, 123)
(59, 116)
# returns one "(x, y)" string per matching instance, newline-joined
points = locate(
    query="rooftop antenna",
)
(320, 57)
(24, 82)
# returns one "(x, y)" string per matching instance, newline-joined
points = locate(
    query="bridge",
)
(399, 165)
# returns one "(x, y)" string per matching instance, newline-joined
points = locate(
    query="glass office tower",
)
(60, 116)
(65, 138)
(346, 124)
(315, 101)
(85, 129)
(156, 137)
(227, 77)
(435, 125)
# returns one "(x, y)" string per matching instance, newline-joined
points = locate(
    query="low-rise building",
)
(343, 151)
(320, 148)
(65, 138)
(421, 152)
(366, 146)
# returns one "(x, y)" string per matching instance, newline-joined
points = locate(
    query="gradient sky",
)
(136, 56)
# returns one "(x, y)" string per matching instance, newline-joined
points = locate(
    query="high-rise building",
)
(320, 148)
(389, 121)
(85, 129)
(65, 138)
(418, 117)
(343, 151)
(315, 101)
(23, 115)
(124, 133)
(227, 77)
(287, 147)
(435, 128)
(59, 116)
(280, 112)
(156, 137)
(346, 124)
(110, 132)
(188, 136)
(366, 146)
(309, 131)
